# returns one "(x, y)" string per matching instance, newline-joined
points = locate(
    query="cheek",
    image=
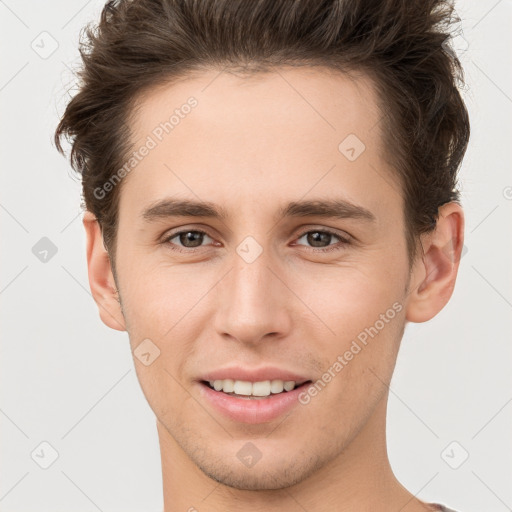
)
(159, 306)
(362, 318)
(345, 302)
(158, 312)
(158, 298)
(355, 377)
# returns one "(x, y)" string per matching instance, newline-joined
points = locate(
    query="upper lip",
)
(254, 375)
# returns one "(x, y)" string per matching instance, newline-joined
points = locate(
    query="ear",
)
(101, 279)
(434, 272)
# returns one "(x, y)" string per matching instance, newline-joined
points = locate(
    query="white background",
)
(68, 380)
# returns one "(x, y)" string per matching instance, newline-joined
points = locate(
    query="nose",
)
(254, 302)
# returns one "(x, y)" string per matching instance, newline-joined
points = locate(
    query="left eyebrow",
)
(325, 208)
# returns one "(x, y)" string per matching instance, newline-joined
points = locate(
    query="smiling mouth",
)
(253, 390)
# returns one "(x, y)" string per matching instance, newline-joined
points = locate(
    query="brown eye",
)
(190, 239)
(320, 240)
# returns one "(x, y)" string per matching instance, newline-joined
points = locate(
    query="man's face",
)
(256, 291)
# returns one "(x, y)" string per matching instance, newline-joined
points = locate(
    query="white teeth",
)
(246, 388)
(261, 388)
(241, 387)
(289, 385)
(276, 386)
(228, 386)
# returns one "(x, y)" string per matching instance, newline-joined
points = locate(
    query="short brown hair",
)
(399, 44)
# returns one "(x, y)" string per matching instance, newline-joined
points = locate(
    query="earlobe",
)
(101, 279)
(434, 273)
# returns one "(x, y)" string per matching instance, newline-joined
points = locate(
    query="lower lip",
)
(245, 410)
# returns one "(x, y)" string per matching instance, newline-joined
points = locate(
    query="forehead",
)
(255, 140)
(327, 101)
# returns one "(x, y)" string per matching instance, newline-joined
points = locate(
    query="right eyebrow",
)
(183, 208)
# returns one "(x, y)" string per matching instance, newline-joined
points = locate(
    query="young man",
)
(270, 193)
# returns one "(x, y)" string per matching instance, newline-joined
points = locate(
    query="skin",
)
(251, 145)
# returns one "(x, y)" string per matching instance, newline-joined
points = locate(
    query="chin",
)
(267, 476)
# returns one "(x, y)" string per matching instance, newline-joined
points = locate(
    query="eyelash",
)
(339, 246)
